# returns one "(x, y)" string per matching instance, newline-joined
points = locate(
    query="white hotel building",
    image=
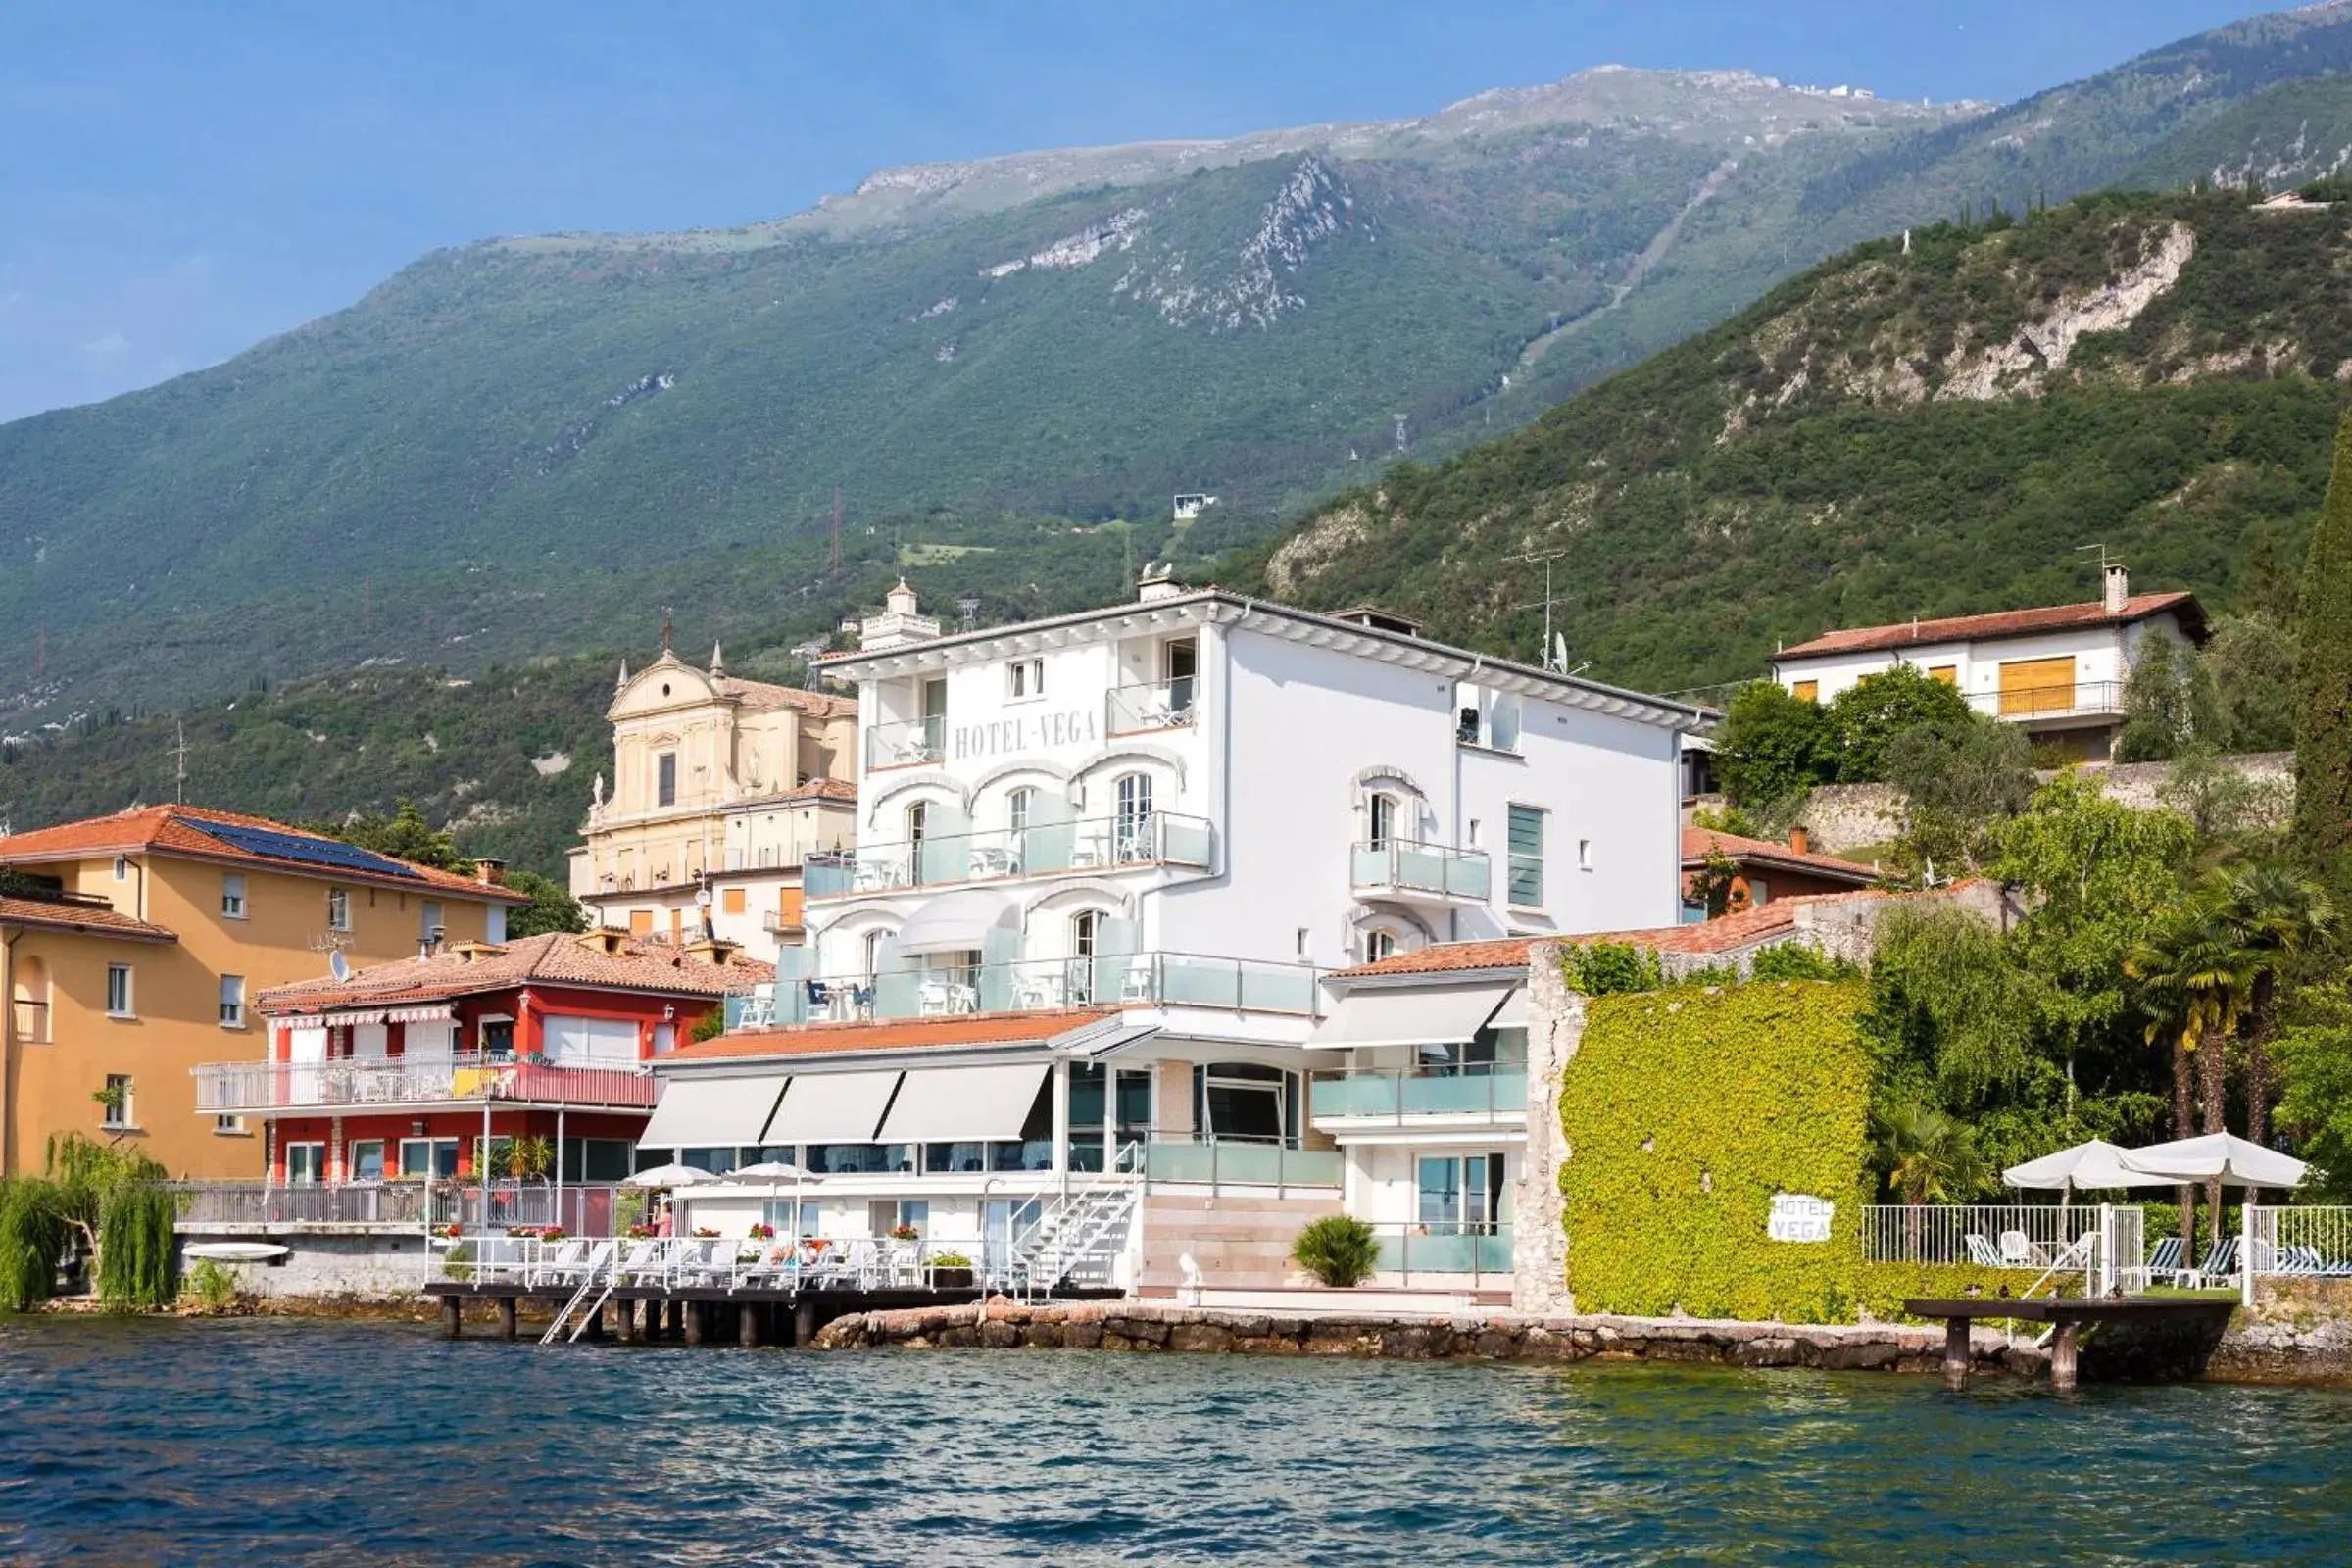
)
(1061, 1000)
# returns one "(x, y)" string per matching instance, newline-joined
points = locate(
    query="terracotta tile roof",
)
(1999, 624)
(760, 697)
(1505, 953)
(90, 919)
(177, 831)
(825, 789)
(1696, 841)
(964, 1029)
(555, 958)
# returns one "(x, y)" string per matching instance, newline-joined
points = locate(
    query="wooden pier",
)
(691, 1314)
(2067, 1315)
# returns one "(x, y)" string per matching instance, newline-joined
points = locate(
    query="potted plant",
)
(951, 1271)
(762, 1232)
(905, 1233)
(705, 1232)
(1339, 1249)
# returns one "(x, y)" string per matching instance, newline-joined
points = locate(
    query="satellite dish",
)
(1559, 653)
(338, 966)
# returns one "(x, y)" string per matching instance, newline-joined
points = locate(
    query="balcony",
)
(391, 1082)
(1151, 704)
(905, 744)
(1481, 1096)
(1033, 985)
(1400, 868)
(2053, 704)
(1051, 848)
(1224, 1162)
(1449, 1248)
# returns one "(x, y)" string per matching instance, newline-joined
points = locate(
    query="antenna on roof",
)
(1547, 655)
(338, 966)
(179, 773)
(969, 610)
(2101, 548)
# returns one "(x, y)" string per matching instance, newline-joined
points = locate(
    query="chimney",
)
(1157, 582)
(714, 950)
(1801, 841)
(488, 872)
(2118, 590)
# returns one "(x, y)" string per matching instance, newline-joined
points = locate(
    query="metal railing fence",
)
(1237, 1163)
(1032, 984)
(352, 1081)
(731, 1263)
(984, 855)
(1451, 1248)
(2312, 1240)
(1150, 705)
(2007, 1235)
(1404, 867)
(1497, 1093)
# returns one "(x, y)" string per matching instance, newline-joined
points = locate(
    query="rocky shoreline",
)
(1148, 1326)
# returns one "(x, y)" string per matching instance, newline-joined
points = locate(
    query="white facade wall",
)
(2102, 654)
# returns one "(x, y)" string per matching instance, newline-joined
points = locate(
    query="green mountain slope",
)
(1922, 430)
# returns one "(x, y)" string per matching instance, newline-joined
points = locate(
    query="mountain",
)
(532, 444)
(1933, 425)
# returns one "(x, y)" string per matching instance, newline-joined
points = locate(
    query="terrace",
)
(1033, 985)
(224, 1088)
(1475, 1093)
(1056, 849)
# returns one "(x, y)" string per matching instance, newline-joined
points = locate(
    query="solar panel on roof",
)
(306, 850)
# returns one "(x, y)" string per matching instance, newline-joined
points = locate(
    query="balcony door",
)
(1180, 667)
(1460, 1193)
(1131, 837)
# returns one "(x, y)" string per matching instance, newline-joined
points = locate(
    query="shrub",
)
(1339, 1249)
(215, 1288)
(1608, 968)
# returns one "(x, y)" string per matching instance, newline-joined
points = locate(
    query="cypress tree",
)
(2323, 682)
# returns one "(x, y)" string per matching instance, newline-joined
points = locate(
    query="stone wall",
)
(1843, 817)
(1000, 1324)
(336, 1268)
(1240, 1240)
(1538, 1241)
(2297, 1330)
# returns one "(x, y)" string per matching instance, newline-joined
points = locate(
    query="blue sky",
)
(179, 179)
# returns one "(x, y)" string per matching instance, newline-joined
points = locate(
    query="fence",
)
(1029, 985)
(1497, 1094)
(1041, 849)
(581, 1209)
(1453, 1248)
(2017, 1235)
(2312, 1242)
(733, 1263)
(425, 1080)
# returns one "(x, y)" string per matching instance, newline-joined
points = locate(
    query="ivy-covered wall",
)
(1684, 1114)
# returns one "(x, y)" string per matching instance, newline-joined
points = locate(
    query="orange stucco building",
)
(133, 947)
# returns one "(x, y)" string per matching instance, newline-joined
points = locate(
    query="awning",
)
(1514, 1013)
(831, 1108)
(703, 1113)
(1410, 1015)
(357, 1017)
(433, 1014)
(964, 1105)
(956, 922)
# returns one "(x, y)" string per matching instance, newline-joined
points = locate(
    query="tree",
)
(1713, 883)
(405, 835)
(2315, 1059)
(1865, 717)
(2251, 663)
(1960, 780)
(552, 908)
(1928, 1157)
(2169, 704)
(2324, 686)
(1948, 1012)
(2280, 916)
(1773, 746)
(2196, 974)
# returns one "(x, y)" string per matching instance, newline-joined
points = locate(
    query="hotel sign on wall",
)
(1024, 734)
(1796, 1217)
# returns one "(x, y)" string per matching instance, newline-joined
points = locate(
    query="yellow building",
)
(132, 947)
(721, 787)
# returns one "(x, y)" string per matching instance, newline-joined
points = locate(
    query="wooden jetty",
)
(2066, 1315)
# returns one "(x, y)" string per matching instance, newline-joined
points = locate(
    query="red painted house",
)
(395, 1072)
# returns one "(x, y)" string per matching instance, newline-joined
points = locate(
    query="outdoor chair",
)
(2019, 1252)
(1982, 1251)
(558, 1262)
(2219, 1268)
(2300, 1260)
(2164, 1261)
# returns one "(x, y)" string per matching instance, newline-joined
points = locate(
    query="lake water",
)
(268, 1441)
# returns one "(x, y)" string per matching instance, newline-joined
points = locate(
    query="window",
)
(117, 1102)
(1949, 674)
(367, 1159)
(232, 896)
(641, 923)
(1525, 878)
(118, 991)
(873, 951)
(121, 869)
(422, 1158)
(429, 924)
(306, 1164)
(1019, 806)
(1382, 814)
(730, 900)
(1240, 1101)
(1379, 944)
(1132, 830)
(1183, 664)
(778, 1212)
(1584, 854)
(232, 1001)
(1305, 941)
(1806, 691)
(887, 1215)
(1460, 1193)
(228, 1126)
(1758, 893)
(1025, 678)
(665, 779)
(1478, 834)
(338, 909)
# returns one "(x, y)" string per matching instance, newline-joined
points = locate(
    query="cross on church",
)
(666, 628)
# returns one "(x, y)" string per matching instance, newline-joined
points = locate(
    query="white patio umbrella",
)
(2093, 1165)
(768, 1170)
(663, 1176)
(2238, 1161)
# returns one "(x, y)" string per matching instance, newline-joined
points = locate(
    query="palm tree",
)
(2195, 972)
(1928, 1157)
(2279, 915)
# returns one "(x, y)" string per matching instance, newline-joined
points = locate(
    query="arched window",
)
(1132, 828)
(1085, 927)
(1379, 944)
(917, 813)
(873, 951)
(1382, 813)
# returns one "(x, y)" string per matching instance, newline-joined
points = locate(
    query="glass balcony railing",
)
(1497, 1094)
(910, 741)
(1048, 849)
(1151, 704)
(1032, 984)
(230, 1086)
(1445, 1247)
(1403, 868)
(1225, 1162)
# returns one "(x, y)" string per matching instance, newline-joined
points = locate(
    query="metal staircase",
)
(1079, 1238)
(596, 1287)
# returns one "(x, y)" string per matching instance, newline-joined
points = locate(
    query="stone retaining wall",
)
(1000, 1324)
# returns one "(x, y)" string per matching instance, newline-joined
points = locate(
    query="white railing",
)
(1032, 984)
(204, 1203)
(2006, 1236)
(2314, 1241)
(909, 741)
(700, 1262)
(225, 1087)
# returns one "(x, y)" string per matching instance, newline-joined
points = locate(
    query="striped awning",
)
(435, 1014)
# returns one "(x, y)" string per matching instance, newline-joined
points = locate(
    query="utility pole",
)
(179, 773)
(836, 529)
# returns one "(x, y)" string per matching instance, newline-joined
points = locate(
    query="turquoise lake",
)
(269, 1441)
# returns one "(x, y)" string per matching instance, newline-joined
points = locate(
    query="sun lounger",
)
(2164, 1262)
(2219, 1268)
(1982, 1253)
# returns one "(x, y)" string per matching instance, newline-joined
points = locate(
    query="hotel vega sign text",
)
(1021, 734)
